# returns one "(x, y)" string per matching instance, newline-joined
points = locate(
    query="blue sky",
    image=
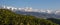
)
(36, 4)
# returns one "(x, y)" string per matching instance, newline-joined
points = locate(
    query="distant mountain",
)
(39, 14)
(30, 9)
(35, 12)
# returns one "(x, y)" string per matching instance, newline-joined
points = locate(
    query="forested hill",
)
(8, 17)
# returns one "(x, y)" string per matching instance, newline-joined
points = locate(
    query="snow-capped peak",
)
(30, 9)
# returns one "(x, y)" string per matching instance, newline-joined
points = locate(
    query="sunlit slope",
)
(8, 17)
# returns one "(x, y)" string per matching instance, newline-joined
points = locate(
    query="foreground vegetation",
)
(8, 17)
(54, 20)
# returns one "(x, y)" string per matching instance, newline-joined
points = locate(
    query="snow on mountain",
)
(35, 12)
(30, 9)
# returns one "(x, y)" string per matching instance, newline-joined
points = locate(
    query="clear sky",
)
(37, 4)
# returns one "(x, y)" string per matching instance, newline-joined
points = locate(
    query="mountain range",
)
(35, 12)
